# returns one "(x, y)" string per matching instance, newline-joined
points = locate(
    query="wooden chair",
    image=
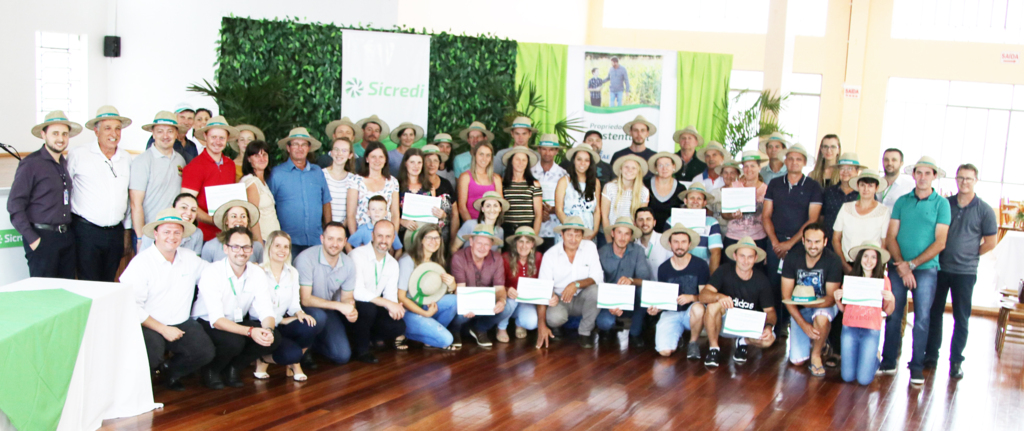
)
(1010, 323)
(1008, 210)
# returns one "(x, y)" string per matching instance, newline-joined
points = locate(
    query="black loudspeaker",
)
(112, 46)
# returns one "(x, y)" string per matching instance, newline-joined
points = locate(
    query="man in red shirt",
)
(210, 168)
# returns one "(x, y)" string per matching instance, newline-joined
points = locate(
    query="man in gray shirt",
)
(619, 82)
(624, 262)
(972, 222)
(327, 278)
(155, 174)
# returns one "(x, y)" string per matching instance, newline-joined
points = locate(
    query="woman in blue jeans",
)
(862, 325)
(424, 289)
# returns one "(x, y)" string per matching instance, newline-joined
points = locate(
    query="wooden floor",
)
(515, 386)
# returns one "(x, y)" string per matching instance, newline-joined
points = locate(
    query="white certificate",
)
(863, 291)
(548, 195)
(534, 291)
(218, 195)
(744, 323)
(476, 300)
(742, 199)
(693, 219)
(418, 208)
(619, 296)
(658, 295)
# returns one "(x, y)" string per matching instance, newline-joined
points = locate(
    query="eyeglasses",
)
(238, 248)
(965, 179)
(431, 238)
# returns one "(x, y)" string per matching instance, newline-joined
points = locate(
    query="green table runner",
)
(40, 334)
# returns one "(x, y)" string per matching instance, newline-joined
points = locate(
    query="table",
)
(1009, 256)
(111, 377)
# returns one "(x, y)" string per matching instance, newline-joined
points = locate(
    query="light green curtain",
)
(702, 89)
(545, 65)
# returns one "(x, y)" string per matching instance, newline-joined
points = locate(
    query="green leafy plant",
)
(526, 101)
(760, 119)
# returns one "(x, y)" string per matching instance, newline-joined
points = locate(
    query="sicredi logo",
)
(354, 88)
(10, 238)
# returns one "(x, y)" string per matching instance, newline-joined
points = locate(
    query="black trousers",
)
(99, 249)
(373, 322)
(233, 349)
(54, 257)
(191, 351)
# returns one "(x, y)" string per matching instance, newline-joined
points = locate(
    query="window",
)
(61, 74)
(799, 112)
(960, 122)
(719, 16)
(988, 21)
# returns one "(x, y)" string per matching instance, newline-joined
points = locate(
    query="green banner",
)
(10, 238)
(703, 88)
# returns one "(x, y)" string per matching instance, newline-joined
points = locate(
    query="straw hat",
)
(434, 149)
(443, 137)
(713, 146)
(803, 295)
(218, 122)
(425, 285)
(849, 159)
(397, 132)
(549, 140)
(697, 187)
(746, 242)
(168, 215)
(521, 123)
(107, 112)
(753, 155)
(522, 231)
(689, 130)
(617, 167)
(871, 245)
(484, 230)
(666, 237)
(623, 222)
(476, 125)
(491, 195)
(182, 107)
(731, 164)
(164, 118)
(574, 222)
(344, 121)
(796, 148)
(926, 162)
(652, 162)
(299, 133)
(384, 129)
(651, 128)
(868, 173)
(762, 142)
(218, 215)
(531, 156)
(57, 117)
(247, 128)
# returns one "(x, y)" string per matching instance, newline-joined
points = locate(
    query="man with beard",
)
(810, 277)
(691, 275)
(339, 129)
(899, 185)
(639, 129)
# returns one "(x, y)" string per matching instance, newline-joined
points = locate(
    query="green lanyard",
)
(233, 286)
(650, 248)
(376, 280)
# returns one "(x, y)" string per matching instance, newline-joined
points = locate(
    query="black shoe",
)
(231, 377)
(693, 350)
(637, 342)
(481, 338)
(307, 361)
(557, 333)
(712, 359)
(174, 385)
(931, 364)
(607, 336)
(955, 371)
(587, 341)
(211, 379)
(367, 358)
(739, 354)
(917, 377)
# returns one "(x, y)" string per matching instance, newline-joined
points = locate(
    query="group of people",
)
(318, 257)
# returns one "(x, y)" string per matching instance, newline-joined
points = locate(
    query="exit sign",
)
(1010, 57)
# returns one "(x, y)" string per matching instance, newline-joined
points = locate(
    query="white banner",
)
(387, 74)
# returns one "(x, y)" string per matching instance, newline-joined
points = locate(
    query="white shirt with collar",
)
(222, 294)
(284, 294)
(709, 184)
(100, 194)
(374, 278)
(557, 267)
(164, 290)
(903, 185)
(656, 254)
(548, 183)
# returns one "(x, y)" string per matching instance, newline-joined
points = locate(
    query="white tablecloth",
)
(111, 377)
(1010, 260)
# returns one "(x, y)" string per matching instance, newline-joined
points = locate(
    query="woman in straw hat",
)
(340, 177)
(833, 197)
(233, 213)
(374, 179)
(710, 247)
(579, 193)
(748, 224)
(825, 172)
(404, 136)
(862, 325)
(863, 220)
(255, 166)
(426, 290)
(731, 171)
(479, 179)
(663, 187)
(433, 159)
(246, 134)
(491, 207)
(298, 330)
(625, 194)
(522, 190)
(522, 260)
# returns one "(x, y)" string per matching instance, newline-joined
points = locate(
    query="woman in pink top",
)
(748, 224)
(862, 324)
(479, 179)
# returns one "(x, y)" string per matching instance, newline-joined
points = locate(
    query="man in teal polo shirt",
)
(917, 233)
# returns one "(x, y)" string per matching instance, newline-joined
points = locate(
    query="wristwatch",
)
(912, 265)
(577, 284)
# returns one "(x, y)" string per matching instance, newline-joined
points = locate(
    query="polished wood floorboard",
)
(514, 386)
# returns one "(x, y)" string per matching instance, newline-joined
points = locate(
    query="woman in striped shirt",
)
(522, 190)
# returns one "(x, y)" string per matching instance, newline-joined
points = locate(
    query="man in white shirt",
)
(164, 282)
(713, 155)
(547, 174)
(899, 185)
(376, 294)
(650, 241)
(228, 288)
(99, 203)
(575, 268)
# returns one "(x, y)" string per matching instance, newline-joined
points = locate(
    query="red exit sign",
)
(1010, 57)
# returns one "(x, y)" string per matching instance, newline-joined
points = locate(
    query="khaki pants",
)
(583, 304)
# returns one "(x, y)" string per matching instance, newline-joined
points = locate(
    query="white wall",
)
(539, 21)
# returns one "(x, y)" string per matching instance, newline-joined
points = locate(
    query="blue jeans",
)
(799, 343)
(616, 98)
(605, 319)
(670, 328)
(295, 337)
(333, 340)
(485, 323)
(924, 294)
(961, 287)
(432, 331)
(860, 354)
(525, 315)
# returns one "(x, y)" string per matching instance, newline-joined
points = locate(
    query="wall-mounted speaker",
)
(111, 46)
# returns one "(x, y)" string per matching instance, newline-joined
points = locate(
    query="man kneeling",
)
(810, 278)
(691, 275)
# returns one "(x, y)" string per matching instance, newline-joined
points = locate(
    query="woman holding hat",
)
(491, 208)
(710, 247)
(231, 214)
(522, 190)
(825, 172)
(255, 167)
(412, 178)
(833, 197)
(663, 188)
(340, 177)
(479, 179)
(863, 220)
(862, 325)
(748, 224)
(404, 136)
(246, 134)
(433, 159)
(374, 179)
(522, 260)
(426, 290)
(626, 193)
(578, 194)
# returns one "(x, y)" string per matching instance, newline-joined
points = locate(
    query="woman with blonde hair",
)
(479, 179)
(825, 172)
(625, 194)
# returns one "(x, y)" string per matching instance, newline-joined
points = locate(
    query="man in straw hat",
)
(690, 275)
(155, 174)
(899, 184)
(774, 146)
(689, 139)
(548, 173)
(99, 204)
(373, 128)
(575, 268)
(300, 191)
(639, 129)
(521, 130)
(624, 262)
(479, 266)
(474, 134)
(737, 285)
(917, 233)
(596, 141)
(164, 282)
(380, 315)
(443, 141)
(339, 129)
(790, 204)
(40, 200)
(714, 155)
(710, 246)
(210, 168)
(810, 278)
(327, 280)
(185, 116)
